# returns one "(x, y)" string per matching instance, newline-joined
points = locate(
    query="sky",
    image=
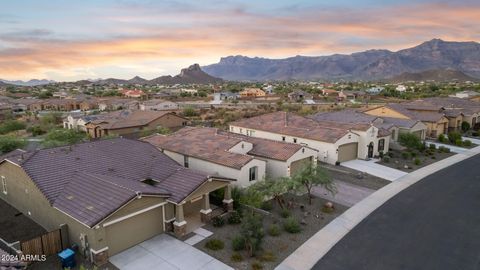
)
(73, 40)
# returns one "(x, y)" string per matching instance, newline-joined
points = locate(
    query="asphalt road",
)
(432, 225)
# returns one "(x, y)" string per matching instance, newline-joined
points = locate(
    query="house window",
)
(381, 144)
(295, 140)
(4, 185)
(253, 173)
(185, 161)
(231, 129)
(241, 131)
(283, 138)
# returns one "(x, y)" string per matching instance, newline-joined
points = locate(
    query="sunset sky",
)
(72, 40)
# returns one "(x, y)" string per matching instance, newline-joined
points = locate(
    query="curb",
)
(308, 254)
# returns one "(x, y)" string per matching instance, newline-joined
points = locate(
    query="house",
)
(395, 126)
(374, 90)
(158, 105)
(5, 110)
(268, 89)
(329, 92)
(225, 96)
(252, 92)
(299, 96)
(350, 95)
(88, 104)
(436, 121)
(243, 158)
(112, 194)
(466, 94)
(401, 88)
(335, 142)
(114, 104)
(135, 93)
(132, 123)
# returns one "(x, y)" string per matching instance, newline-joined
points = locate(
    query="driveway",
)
(373, 168)
(432, 225)
(347, 194)
(166, 253)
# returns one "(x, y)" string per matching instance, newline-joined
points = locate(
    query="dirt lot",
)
(15, 226)
(280, 246)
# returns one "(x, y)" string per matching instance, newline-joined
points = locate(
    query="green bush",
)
(214, 244)
(10, 143)
(467, 143)
(432, 146)
(381, 154)
(405, 155)
(465, 126)
(458, 142)
(11, 125)
(36, 130)
(391, 154)
(267, 206)
(189, 112)
(257, 265)
(442, 138)
(218, 221)
(417, 161)
(238, 243)
(410, 140)
(413, 154)
(236, 257)
(268, 256)
(234, 218)
(59, 137)
(284, 213)
(274, 230)
(454, 136)
(386, 159)
(444, 149)
(291, 225)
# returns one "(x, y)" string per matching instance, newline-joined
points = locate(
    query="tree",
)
(59, 137)
(10, 143)
(273, 188)
(189, 111)
(51, 119)
(252, 232)
(11, 125)
(410, 140)
(310, 176)
(465, 126)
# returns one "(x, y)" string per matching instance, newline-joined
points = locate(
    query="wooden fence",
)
(47, 244)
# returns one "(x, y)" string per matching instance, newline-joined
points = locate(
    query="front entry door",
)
(370, 150)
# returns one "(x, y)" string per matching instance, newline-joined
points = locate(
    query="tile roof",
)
(453, 104)
(428, 114)
(127, 118)
(287, 123)
(104, 175)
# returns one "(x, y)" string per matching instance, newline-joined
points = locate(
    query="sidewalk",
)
(453, 148)
(307, 255)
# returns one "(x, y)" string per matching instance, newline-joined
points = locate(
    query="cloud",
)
(132, 34)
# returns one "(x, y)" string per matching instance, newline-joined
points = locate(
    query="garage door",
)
(347, 152)
(299, 164)
(134, 230)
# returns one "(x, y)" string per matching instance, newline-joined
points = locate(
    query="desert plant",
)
(410, 140)
(284, 213)
(218, 221)
(454, 136)
(238, 243)
(291, 225)
(458, 142)
(214, 244)
(467, 143)
(274, 230)
(386, 159)
(234, 218)
(432, 146)
(417, 161)
(267, 206)
(310, 176)
(405, 155)
(257, 265)
(465, 126)
(442, 138)
(252, 232)
(391, 154)
(267, 256)
(236, 257)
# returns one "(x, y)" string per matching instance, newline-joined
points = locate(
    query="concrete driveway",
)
(347, 194)
(166, 253)
(373, 168)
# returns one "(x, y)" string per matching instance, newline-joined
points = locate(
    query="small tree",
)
(310, 176)
(273, 188)
(189, 111)
(410, 140)
(454, 136)
(59, 137)
(10, 143)
(465, 126)
(252, 233)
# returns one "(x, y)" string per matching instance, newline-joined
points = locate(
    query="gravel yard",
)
(279, 246)
(397, 161)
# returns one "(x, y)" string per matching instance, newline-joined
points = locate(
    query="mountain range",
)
(432, 55)
(33, 82)
(191, 75)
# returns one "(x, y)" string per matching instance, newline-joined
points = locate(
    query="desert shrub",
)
(465, 126)
(433, 157)
(442, 138)
(417, 161)
(218, 221)
(405, 155)
(257, 265)
(274, 230)
(291, 225)
(267, 206)
(214, 244)
(327, 209)
(444, 149)
(236, 195)
(432, 146)
(236, 257)
(467, 143)
(413, 154)
(11, 125)
(391, 154)
(284, 213)
(268, 256)
(475, 134)
(10, 143)
(238, 243)
(454, 136)
(381, 154)
(386, 159)
(252, 232)
(458, 142)
(189, 112)
(410, 140)
(234, 218)
(36, 130)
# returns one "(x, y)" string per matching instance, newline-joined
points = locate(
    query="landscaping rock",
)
(303, 222)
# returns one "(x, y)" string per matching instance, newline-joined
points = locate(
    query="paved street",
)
(432, 225)
(347, 194)
(373, 168)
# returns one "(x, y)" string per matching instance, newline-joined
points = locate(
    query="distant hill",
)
(191, 75)
(33, 82)
(435, 54)
(438, 75)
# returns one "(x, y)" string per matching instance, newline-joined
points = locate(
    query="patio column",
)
(206, 211)
(227, 199)
(180, 225)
